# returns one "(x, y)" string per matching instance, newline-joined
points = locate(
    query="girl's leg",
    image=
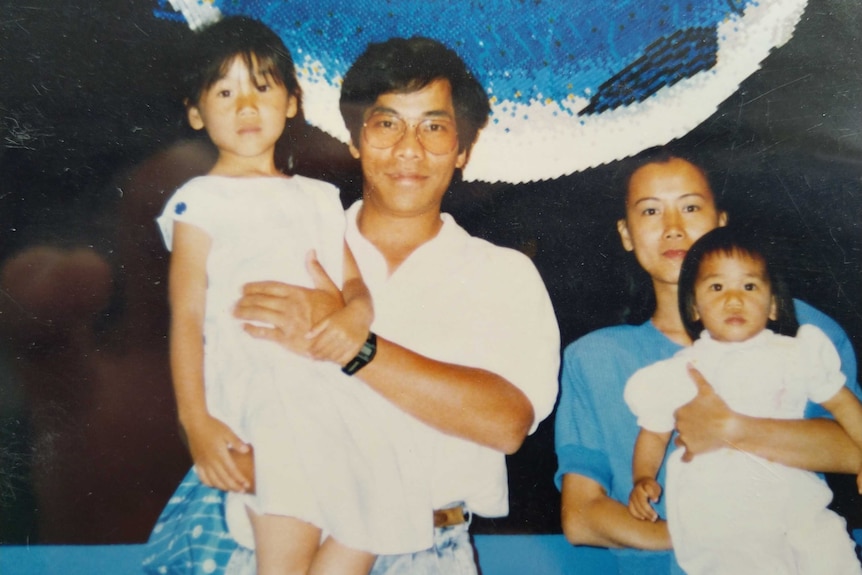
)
(333, 557)
(283, 545)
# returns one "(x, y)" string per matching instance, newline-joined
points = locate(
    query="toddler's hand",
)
(859, 482)
(645, 492)
(211, 442)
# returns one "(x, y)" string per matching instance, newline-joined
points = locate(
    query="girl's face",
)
(733, 297)
(244, 113)
(668, 207)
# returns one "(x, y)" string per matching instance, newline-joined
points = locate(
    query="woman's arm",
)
(707, 423)
(848, 413)
(210, 441)
(591, 517)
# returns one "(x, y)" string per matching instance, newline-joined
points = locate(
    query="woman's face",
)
(668, 207)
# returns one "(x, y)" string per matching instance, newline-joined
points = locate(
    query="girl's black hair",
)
(729, 242)
(213, 49)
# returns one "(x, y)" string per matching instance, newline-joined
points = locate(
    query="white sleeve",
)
(524, 333)
(654, 392)
(191, 204)
(820, 363)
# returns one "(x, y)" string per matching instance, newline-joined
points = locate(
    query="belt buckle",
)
(451, 516)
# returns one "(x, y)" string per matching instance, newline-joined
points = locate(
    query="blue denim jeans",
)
(452, 554)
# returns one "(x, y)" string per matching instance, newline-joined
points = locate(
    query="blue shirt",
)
(596, 432)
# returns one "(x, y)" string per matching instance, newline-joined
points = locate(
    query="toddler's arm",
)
(848, 413)
(649, 452)
(340, 336)
(209, 439)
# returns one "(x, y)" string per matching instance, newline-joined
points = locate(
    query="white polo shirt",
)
(462, 300)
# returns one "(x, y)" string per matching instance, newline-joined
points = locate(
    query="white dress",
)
(325, 450)
(733, 512)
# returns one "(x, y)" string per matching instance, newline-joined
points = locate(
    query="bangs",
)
(739, 251)
(258, 66)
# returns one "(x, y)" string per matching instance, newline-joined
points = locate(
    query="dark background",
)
(92, 142)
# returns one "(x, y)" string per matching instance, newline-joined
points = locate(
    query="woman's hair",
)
(404, 65)
(729, 242)
(626, 168)
(214, 48)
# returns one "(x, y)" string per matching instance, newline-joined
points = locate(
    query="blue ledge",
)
(498, 555)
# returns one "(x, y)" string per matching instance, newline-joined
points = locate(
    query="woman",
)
(669, 204)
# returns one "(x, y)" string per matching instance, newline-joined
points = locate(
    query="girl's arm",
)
(650, 448)
(707, 423)
(591, 517)
(340, 336)
(209, 439)
(847, 410)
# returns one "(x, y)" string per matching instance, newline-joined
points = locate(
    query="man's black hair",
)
(404, 65)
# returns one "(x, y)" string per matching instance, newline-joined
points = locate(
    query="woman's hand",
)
(211, 443)
(706, 423)
(645, 492)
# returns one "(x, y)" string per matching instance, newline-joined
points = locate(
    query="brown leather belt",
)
(449, 516)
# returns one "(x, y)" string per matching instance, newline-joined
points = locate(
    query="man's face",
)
(405, 179)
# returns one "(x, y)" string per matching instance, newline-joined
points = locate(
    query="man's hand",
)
(339, 337)
(289, 312)
(706, 423)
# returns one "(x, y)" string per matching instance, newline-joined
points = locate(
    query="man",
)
(464, 338)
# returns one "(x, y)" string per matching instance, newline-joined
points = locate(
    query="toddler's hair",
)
(730, 242)
(214, 48)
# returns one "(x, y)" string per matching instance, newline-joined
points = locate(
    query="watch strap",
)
(364, 357)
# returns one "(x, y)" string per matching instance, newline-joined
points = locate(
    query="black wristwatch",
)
(364, 357)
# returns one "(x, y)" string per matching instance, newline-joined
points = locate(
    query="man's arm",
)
(707, 423)
(591, 517)
(470, 403)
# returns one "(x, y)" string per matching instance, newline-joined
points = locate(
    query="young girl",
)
(731, 511)
(331, 487)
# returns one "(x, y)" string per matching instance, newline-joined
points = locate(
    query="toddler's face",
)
(733, 296)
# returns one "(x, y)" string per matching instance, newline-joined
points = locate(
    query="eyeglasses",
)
(437, 135)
